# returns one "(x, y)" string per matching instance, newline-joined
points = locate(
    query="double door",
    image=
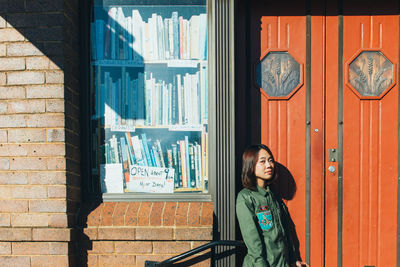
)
(325, 81)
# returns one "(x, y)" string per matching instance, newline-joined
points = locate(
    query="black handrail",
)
(189, 253)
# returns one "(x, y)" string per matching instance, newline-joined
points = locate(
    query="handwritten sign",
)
(151, 179)
(111, 178)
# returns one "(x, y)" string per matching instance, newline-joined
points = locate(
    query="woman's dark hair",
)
(250, 158)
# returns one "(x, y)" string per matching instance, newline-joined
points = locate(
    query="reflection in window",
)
(149, 98)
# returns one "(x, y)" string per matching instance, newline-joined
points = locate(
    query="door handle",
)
(331, 169)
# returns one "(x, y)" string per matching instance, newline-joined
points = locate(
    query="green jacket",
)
(263, 220)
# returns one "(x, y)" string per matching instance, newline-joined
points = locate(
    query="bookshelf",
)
(148, 100)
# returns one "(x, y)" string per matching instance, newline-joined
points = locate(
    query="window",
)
(148, 98)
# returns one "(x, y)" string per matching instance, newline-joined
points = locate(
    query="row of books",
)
(146, 101)
(128, 37)
(188, 159)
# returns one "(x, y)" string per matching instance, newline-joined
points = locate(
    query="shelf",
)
(171, 63)
(172, 128)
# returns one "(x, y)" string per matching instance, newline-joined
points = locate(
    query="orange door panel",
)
(283, 114)
(330, 83)
(370, 142)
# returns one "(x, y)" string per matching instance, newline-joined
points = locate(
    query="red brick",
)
(45, 120)
(29, 220)
(58, 220)
(49, 261)
(93, 219)
(194, 214)
(144, 214)
(181, 214)
(56, 164)
(134, 247)
(146, 233)
(116, 234)
(8, 261)
(91, 233)
(170, 247)
(26, 135)
(92, 260)
(29, 192)
(13, 178)
(207, 214)
(5, 248)
(193, 233)
(119, 213)
(45, 91)
(49, 178)
(49, 234)
(40, 248)
(12, 92)
(117, 260)
(131, 216)
(141, 259)
(101, 247)
(107, 214)
(156, 213)
(47, 206)
(13, 205)
(28, 164)
(5, 220)
(169, 214)
(15, 234)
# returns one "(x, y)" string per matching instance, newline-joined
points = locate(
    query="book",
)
(187, 161)
(183, 163)
(146, 150)
(192, 166)
(124, 156)
(139, 156)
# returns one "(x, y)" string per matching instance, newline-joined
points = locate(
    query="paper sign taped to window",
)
(146, 179)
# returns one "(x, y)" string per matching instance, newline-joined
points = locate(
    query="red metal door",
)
(329, 112)
(362, 120)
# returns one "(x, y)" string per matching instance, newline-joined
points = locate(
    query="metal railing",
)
(171, 261)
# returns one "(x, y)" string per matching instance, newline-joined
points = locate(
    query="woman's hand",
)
(300, 264)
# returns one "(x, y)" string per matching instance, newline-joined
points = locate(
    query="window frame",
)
(90, 188)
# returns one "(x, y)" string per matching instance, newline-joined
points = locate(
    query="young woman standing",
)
(263, 217)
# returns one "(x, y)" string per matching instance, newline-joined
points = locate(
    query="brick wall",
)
(129, 233)
(39, 151)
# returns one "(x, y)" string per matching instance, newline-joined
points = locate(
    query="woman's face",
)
(264, 168)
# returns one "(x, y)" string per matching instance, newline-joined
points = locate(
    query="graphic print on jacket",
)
(265, 218)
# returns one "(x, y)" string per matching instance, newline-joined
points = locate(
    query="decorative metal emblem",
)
(278, 74)
(370, 73)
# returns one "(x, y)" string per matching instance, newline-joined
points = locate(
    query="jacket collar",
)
(263, 191)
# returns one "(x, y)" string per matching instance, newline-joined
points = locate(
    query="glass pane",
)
(149, 96)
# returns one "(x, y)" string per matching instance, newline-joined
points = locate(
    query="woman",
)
(263, 217)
